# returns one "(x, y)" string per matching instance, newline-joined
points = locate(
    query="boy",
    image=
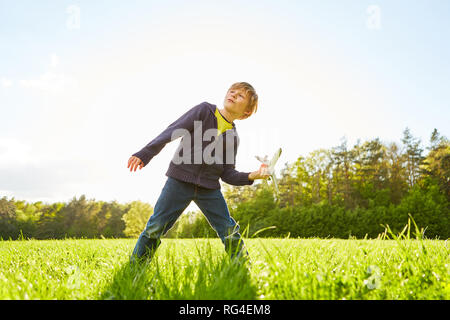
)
(196, 176)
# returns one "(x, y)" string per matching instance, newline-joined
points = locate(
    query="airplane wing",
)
(274, 160)
(275, 184)
(262, 160)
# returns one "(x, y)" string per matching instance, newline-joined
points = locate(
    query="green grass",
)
(399, 268)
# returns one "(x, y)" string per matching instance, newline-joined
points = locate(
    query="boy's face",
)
(236, 101)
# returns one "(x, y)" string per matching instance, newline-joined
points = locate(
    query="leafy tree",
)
(436, 165)
(8, 226)
(397, 185)
(111, 222)
(343, 174)
(136, 218)
(413, 157)
(51, 222)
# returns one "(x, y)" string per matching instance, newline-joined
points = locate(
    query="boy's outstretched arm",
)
(231, 176)
(186, 121)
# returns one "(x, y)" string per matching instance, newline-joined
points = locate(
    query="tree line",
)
(340, 192)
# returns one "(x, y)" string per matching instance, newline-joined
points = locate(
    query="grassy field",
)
(200, 269)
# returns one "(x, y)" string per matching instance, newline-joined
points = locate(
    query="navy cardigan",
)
(196, 170)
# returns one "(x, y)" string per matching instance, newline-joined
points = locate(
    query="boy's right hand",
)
(134, 163)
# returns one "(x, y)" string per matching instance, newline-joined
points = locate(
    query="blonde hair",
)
(251, 93)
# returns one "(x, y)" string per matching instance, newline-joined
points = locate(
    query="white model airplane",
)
(271, 166)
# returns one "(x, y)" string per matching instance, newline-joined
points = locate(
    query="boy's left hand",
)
(262, 173)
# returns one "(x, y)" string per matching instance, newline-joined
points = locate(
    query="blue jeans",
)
(176, 195)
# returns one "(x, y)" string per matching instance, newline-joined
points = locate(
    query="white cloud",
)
(50, 82)
(30, 173)
(6, 82)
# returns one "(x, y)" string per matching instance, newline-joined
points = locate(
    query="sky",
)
(85, 84)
